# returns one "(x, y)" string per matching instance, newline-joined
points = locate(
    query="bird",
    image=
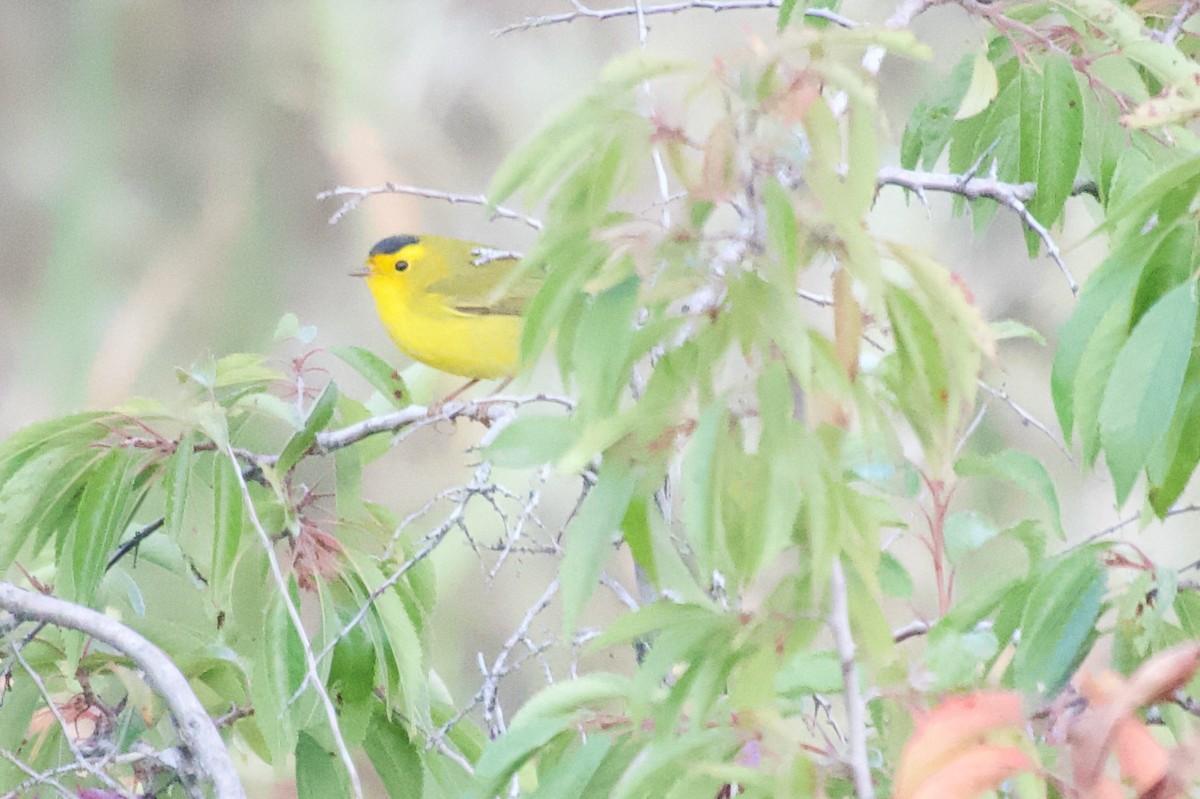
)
(455, 305)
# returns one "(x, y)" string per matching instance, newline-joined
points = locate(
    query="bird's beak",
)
(364, 272)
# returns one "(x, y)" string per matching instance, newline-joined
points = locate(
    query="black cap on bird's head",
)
(392, 244)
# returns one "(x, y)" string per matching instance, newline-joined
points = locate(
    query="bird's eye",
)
(401, 266)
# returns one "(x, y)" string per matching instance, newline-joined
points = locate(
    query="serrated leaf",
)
(571, 776)
(318, 419)
(781, 226)
(590, 538)
(396, 760)
(967, 531)
(319, 773)
(1140, 397)
(1051, 138)
(378, 372)
(930, 125)
(532, 441)
(505, 755)
(228, 521)
(1006, 329)
(103, 512)
(1058, 621)
(1020, 468)
(981, 90)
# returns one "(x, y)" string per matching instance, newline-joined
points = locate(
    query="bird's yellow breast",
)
(428, 329)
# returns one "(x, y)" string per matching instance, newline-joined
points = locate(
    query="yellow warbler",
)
(451, 304)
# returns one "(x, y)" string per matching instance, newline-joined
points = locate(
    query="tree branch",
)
(582, 11)
(357, 195)
(856, 709)
(1011, 195)
(196, 729)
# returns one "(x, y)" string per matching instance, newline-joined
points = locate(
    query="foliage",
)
(752, 446)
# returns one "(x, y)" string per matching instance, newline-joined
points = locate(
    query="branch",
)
(856, 709)
(196, 730)
(1186, 9)
(1011, 195)
(1027, 418)
(484, 410)
(667, 8)
(357, 195)
(492, 714)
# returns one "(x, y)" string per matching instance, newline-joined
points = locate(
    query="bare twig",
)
(353, 196)
(856, 709)
(416, 415)
(910, 630)
(196, 729)
(1010, 195)
(1027, 418)
(1172, 31)
(492, 713)
(582, 11)
(1107, 531)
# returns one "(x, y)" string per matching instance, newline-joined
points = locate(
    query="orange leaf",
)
(1162, 674)
(847, 323)
(956, 725)
(1143, 760)
(979, 769)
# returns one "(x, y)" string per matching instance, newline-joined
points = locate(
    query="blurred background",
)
(159, 166)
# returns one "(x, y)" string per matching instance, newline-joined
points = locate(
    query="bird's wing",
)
(489, 289)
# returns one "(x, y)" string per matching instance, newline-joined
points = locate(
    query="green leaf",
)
(77, 431)
(1051, 138)
(982, 89)
(318, 419)
(1091, 378)
(603, 350)
(810, 672)
(1018, 467)
(1166, 488)
(590, 538)
(243, 369)
(1139, 400)
(20, 495)
(931, 122)
(276, 675)
(532, 441)
(1131, 211)
(103, 513)
(781, 227)
(569, 778)
(699, 494)
(505, 755)
(958, 659)
(229, 514)
(289, 326)
(1006, 329)
(1058, 622)
(967, 531)
(396, 760)
(403, 641)
(657, 768)
(178, 479)
(894, 579)
(319, 774)
(378, 372)
(562, 701)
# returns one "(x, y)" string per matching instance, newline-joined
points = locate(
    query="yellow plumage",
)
(446, 305)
